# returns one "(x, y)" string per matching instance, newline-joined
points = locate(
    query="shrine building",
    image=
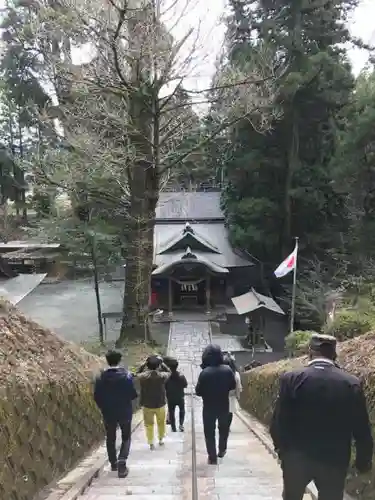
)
(195, 265)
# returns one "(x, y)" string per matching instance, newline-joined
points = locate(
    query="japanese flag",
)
(288, 264)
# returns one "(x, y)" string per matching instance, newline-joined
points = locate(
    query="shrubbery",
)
(48, 418)
(349, 324)
(261, 385)
(297, 343)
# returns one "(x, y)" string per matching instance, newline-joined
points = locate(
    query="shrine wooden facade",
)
(194, 263)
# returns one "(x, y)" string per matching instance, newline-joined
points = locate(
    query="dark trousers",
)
(299, 471)
(172, 412)
(223, 419)
(111, 429)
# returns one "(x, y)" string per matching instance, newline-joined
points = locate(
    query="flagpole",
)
(293, 308)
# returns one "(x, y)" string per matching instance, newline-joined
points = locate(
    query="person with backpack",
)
(114, 393)
(175, 390)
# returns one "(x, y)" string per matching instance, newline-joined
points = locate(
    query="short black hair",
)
(113, 358)
(173, 365)
(153, 362)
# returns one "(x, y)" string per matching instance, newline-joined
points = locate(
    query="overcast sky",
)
(208, 15)
(362, 24)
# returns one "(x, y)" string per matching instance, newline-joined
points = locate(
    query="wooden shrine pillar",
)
(170, 297)
(208, 293)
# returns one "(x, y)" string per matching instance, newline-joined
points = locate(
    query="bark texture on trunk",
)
(144, 193)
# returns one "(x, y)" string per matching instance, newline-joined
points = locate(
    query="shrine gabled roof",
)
(252, 300)
(215, 233)
(188, 257)
(188, 237)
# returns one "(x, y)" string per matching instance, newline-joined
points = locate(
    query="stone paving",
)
(248, 471)
(186, 342)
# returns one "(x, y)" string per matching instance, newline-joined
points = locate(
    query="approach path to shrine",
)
(179, 470)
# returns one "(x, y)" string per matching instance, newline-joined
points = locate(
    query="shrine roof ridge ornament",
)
(189, 254)
(188, 228)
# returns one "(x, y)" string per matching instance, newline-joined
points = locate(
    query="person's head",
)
(212, 356)
(169, 361)
(153, 362)
(113, 358)
(230, 361)
(173, 365)
(322, 346)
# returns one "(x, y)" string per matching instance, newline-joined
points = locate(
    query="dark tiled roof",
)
(182, 238)
(185, 205)
(216, 233)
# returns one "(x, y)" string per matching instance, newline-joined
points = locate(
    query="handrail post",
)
(193, 445)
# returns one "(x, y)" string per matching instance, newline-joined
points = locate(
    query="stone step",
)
(248, 471)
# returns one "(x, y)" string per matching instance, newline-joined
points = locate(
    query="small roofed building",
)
(195, 265)
(267, 322)
(29, 258)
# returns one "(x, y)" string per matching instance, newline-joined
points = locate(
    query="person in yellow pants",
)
(153, 399)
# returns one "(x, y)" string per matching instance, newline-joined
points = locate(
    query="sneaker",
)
(212, 461)
(114, 467)
(182, 428)
(173, 429)
(123, 471)
(152, 446)
(221, 454)
(161, 442)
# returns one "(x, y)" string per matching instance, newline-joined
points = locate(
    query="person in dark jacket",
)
(114, 393)
(215, 382)
(175, 389)
(320, 409)
(153, 398)
(168, 361)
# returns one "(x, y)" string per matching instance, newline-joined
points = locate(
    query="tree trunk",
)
(143, 177)
(292, 165)
(144, 193)
(97, 289)
(293, 152)
(139, 262)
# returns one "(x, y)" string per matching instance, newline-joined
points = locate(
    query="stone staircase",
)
(248, 471)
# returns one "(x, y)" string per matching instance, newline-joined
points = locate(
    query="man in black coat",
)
(215, 382)
(320, 409)
(114, 393)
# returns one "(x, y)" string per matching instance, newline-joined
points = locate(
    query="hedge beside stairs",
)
(260, 389)
(48, 419)
(45, 430)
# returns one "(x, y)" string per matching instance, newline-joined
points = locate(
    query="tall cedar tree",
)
(278, 183)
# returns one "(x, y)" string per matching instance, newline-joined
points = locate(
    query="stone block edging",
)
(262, 434)
(74, 483)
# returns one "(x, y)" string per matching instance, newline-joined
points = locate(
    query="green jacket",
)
(152, 385)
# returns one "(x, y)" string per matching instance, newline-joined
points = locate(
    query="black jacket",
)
(175, 386)
(320, 409)
(114, 392)
(215, 381)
